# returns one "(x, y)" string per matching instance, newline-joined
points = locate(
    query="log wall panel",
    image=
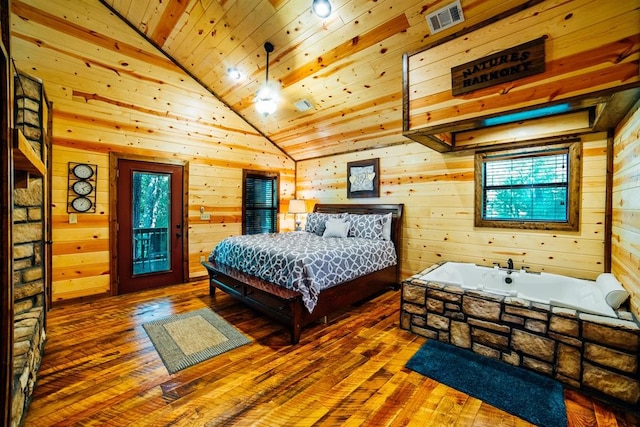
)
(552, 127)
(590, 46)
(625, 241)
(113, 92)
(133, 100)
(437, 190)
(351, 59)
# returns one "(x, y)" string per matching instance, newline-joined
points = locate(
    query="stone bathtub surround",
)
(595, 354)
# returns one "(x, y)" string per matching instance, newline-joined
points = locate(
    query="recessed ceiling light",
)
(322, 8)
(234, 73)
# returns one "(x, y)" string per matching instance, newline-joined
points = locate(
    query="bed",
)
(291, 307)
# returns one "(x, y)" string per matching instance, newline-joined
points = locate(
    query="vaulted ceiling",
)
(348, 66)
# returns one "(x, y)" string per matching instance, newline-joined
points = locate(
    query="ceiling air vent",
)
(303, 105)
(445, 17)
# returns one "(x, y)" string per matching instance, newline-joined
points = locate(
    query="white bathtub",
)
(579, 294)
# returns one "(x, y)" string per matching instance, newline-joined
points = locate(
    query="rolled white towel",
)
(612, 290)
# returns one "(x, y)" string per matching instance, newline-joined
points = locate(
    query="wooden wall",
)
(113, 92)
(625, 242)
(589, 46)
(107, 97)
(437, 190)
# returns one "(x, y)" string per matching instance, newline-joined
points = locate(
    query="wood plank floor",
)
(100, 368)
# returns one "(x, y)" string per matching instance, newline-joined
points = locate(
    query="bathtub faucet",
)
(510, 264)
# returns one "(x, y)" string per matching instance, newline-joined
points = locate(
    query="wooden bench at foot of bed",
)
(285, 305)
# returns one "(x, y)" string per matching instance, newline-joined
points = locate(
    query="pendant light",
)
(322, 8)
(266, 99)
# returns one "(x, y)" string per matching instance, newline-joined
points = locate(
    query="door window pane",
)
(151, 212)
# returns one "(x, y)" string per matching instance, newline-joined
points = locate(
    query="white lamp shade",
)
(266, 101)
(297, 206)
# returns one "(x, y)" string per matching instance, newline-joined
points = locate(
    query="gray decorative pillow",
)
(316, 222)
(336, 227)
(366, 226)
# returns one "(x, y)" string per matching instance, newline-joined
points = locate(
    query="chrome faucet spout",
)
(510, 264)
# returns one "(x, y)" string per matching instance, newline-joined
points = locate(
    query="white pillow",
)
(336, 228)
(316, 221)
(612, 290)
(386, 226)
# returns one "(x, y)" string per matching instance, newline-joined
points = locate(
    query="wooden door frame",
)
(6, 221)
(47, 182)
(113, 213)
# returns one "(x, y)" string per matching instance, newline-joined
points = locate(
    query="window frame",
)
(574, 156)
(275, 208)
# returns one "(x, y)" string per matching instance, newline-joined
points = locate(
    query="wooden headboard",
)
(381, 209)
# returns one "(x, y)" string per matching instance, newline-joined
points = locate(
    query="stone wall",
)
(28, 249)
(29, 339)
(595, 354)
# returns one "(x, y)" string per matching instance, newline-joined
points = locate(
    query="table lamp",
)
(297, 207)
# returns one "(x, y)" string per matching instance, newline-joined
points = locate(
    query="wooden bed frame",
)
(285, 305)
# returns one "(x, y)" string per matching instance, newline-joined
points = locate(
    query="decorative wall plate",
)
(83, 171)
(81, 195)
(82, 188)
(81, 204)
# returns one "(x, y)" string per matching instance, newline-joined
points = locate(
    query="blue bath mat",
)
(525, 394)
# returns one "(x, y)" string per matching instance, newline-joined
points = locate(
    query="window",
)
(537, 188)
(259, 202)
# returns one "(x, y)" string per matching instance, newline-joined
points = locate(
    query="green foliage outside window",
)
(150, 199)
(529, 188)
(526, 188)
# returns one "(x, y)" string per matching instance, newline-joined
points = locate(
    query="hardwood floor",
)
(100, 368)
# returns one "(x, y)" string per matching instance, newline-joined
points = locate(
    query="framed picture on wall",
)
(363, 179)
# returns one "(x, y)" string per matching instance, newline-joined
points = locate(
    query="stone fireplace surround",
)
(29, 293)
(594, 354)
(29, 334)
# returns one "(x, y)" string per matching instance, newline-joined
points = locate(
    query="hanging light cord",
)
(265, 100)
(268, 47)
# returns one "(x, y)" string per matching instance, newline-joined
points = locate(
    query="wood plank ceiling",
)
(347, 66)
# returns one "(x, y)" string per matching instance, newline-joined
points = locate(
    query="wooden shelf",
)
(25, 157)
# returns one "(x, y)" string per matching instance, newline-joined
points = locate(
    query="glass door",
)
(150, 215)
(150, 222)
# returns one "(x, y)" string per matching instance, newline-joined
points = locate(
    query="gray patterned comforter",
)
(304, 261)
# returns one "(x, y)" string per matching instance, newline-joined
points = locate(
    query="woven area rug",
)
(182, 340)
(525, 394)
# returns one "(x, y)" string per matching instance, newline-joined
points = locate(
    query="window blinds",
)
(260, 204)
(532, 187)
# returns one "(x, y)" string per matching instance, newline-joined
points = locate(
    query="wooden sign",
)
(505, 66)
